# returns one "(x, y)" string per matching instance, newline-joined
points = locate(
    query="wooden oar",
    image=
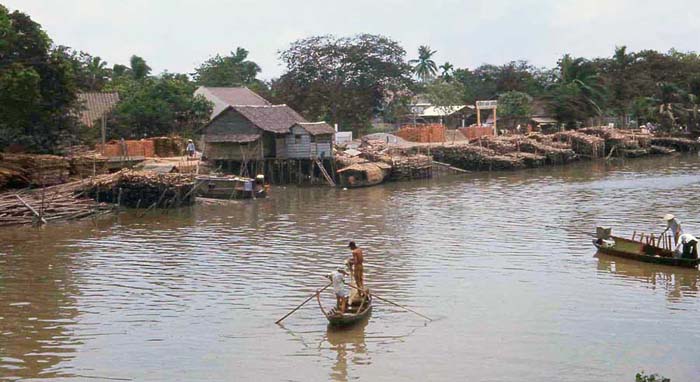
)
(303, 303)
(393, 303)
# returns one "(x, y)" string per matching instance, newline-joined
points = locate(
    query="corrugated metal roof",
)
(317, 128)
(95, 105)
(441, 111)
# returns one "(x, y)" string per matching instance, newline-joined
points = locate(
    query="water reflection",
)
(36, 328)
(679, 283)
(350, 347)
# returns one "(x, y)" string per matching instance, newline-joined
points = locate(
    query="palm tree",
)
(424, 67)
(97, 73)
(446, 71)
(578, 93)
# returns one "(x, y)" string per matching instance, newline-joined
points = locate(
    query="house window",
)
(312, 139)
(297, 139)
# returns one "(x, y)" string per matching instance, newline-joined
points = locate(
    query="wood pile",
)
(678, 144)
(86, 165)
(165, 147)
(44, 205)
(471, 157)
(411, 167)
(584, 145)
(145, 189)
(552, 151)
(34, 170)
(626, 143)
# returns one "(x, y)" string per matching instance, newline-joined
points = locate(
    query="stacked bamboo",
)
(86, 165)
(145, 189)
(168, 146)
(34, 170)
(679, 144)
(61, 202)
(583, 144)
(471, 157)
(411, 167)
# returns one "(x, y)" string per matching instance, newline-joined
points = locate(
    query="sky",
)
(178, 35)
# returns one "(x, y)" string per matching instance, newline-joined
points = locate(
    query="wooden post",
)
(103, 131)
(495, 129)
(478, 116)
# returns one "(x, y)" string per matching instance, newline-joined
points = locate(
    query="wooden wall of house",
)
(302, 145)
(233, 151)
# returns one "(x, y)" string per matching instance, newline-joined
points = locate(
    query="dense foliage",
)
(345, 80)
(37, 87)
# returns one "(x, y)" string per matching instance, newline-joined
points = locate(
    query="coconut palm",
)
(424, 67)
(578, 93)
(447, 69)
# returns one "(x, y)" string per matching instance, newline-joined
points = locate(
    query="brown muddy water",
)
(502, 262)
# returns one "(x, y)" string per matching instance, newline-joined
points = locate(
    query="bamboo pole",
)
(302, 304)
(392, 303)
(41, 218)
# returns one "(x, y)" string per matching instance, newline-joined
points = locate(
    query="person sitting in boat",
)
(687, 247)
(337, 278)
(674, 225)
(357, 267)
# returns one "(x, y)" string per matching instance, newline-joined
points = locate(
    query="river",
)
(502, 262)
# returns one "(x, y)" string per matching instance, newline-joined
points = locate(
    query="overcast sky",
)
(177, 35)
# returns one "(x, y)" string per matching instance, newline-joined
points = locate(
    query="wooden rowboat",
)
(640, 251)
(354, 314)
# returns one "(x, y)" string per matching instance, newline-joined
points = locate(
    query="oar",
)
(303, 303)
(393, 303)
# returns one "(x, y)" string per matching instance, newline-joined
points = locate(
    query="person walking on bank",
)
(357, 267)
(675, 226)
(190, 149)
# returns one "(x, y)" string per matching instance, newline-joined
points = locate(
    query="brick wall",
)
(133, 148)
(423, 133)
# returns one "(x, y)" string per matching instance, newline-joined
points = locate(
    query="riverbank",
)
(513, 152)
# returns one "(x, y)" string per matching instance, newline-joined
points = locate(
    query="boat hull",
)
(636, 250)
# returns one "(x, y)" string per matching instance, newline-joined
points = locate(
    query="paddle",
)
(393, 303)
(303, 303)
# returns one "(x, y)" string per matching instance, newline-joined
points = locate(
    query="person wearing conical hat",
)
(673, 224)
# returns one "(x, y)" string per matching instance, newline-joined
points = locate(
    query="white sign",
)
(486, 104)
(343, 136)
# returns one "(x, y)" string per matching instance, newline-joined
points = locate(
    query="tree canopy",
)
(345, 80)
(232, 70)
(37, 87)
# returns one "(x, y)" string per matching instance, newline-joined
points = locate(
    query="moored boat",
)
(356, 312)
(229, 187)
(639, 250)
(363, 174)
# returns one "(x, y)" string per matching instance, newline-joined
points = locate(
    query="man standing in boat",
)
(357, 268)
(675, 226)
(337, 278)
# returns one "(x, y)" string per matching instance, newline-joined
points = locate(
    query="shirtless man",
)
(357, 268)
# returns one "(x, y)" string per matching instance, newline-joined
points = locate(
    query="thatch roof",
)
(233, 138)
(95, 105)
(316, 128)
(375, 171)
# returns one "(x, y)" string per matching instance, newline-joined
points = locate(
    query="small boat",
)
(228, 187)
(638, 250)
(356, 312)
(363, 174)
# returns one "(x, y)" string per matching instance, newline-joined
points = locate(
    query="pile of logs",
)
(86, 165)
(678, 144)
(40, 206)
(34, 170)
(144, 189)
(585, 145)
(165, 147)
(411, 167)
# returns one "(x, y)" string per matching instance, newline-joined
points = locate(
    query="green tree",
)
(447, 69)
(232, 70)
(424, 67)
(37, 87)
(139, 68)
(578, 93)
(346, 80)
(443, 94)
(514, 105)
(159, 106)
